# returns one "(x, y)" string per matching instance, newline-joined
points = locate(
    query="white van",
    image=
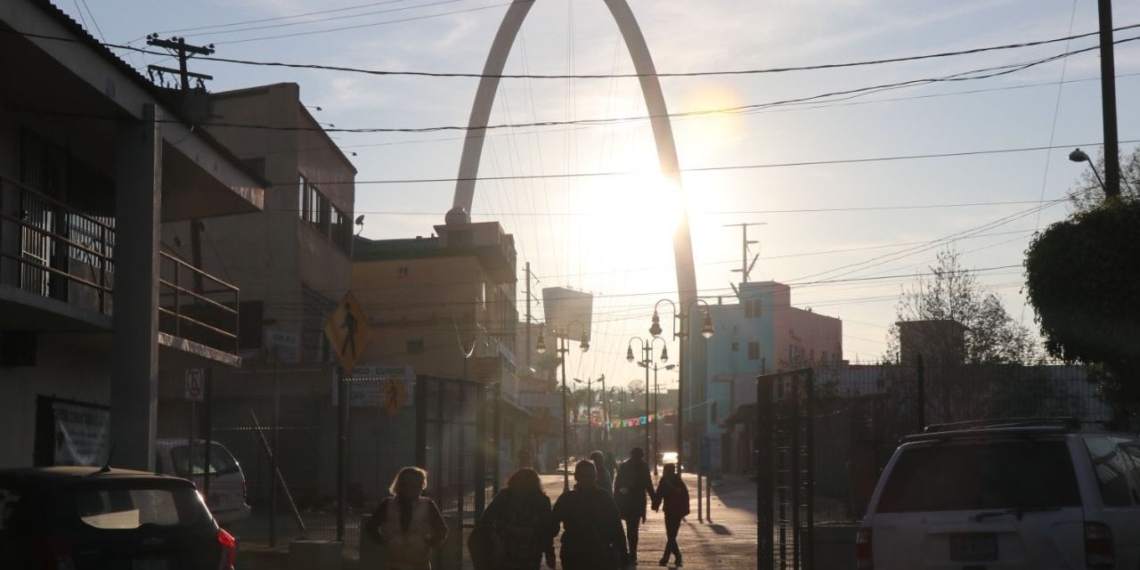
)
(1024, 494)
(228, 492)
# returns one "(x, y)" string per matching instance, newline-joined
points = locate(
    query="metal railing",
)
(54, 250)
(197, 306)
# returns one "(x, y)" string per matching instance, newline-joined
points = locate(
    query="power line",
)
(770, 70)
(279, 18)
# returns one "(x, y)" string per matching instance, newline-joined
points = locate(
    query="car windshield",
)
(975, 475)
(130, 506)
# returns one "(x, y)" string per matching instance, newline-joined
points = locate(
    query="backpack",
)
(676, 500)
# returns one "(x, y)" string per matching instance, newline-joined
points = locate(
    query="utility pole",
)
(746, 266)
(1108, 101)
(184, 51)
(528, 276)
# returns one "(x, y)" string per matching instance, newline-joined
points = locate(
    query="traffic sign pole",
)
(341, 450)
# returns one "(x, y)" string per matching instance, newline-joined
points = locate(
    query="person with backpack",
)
(592, 539)
(513, 533)
(671, 491)
(407, 525)
(631, 487)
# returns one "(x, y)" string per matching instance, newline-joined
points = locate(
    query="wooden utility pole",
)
(183, 51)
(1108, 102)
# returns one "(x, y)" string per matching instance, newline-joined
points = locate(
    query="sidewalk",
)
(728, 541)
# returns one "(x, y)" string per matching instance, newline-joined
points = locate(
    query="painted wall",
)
(68, 366)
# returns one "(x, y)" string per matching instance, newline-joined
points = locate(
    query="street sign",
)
(195, 384)
(348, 331)
(394, 396)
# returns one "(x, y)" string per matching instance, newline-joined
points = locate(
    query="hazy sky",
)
(849, 217)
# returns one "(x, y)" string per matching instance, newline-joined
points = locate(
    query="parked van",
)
(1024, 494)
(228, 491)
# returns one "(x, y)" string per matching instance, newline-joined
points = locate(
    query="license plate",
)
(150, 564)
(973, 547)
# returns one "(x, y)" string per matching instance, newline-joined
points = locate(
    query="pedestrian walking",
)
(590, 524)
(407, 525)
(605, 476)
(611, 463)
(514, 531)
(631, 488)
(671, 491)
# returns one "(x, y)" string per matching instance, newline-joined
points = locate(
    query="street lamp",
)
(562, 349)
(1079, 155)
(681, 335)
(656, 409)
(646, 360)
(589, 404)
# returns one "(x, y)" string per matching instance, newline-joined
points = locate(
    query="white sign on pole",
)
(195, 384)
(365, 385)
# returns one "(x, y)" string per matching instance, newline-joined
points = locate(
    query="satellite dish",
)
(636, 385)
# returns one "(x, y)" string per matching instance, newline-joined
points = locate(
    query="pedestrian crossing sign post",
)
(348, 331)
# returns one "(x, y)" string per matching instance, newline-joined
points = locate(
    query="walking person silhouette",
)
(592, 539)
(514, 531)
(671, 491)
(631, 487)
(408, 526)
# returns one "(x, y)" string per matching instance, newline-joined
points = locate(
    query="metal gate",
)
(450, 434)
(785, 478)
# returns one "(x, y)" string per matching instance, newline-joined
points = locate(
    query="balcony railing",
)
(197, 306)
(53, 250)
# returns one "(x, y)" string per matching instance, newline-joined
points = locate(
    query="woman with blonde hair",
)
(407, 525)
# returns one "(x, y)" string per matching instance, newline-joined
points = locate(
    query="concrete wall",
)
(420, 300)
(270, 255)
(68, 366)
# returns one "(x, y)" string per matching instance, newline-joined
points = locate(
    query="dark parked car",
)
(81, 518)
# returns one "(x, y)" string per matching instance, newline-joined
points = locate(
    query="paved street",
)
(729, 541)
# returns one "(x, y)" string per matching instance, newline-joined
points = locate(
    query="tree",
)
(1081, 278)
(952, 293)
(1087, 194)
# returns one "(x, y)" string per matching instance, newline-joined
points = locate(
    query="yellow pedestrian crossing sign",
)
(395, 396)
(348, 331)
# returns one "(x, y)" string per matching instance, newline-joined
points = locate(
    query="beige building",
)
(445, 305)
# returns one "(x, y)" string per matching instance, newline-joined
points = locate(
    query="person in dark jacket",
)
(671, 491)
(592, 539)
(631, 489)
(515, 526)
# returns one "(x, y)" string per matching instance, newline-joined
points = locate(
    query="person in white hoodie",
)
(407, 525)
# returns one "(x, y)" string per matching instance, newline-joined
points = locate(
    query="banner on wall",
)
(81, 434)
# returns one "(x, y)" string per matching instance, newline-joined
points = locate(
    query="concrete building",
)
(93, 159)
(762, 333)
(293, 264)
(445, 306)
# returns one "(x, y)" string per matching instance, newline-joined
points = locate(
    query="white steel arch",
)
(654, 103)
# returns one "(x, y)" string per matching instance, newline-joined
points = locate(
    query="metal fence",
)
(281, 422)
(861, 412)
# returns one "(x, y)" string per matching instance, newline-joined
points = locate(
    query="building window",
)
(317, 210)
(736, 347)
(753, 309)
(416, 346)
(402, 271)
(754, 350)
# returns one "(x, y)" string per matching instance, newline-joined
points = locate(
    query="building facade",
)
(93, 160)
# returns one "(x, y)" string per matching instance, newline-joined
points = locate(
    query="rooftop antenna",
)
(745, 270)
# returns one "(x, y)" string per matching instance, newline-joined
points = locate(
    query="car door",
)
(1128, 534)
